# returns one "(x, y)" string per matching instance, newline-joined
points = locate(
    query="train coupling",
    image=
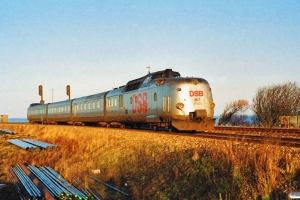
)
(198, 115)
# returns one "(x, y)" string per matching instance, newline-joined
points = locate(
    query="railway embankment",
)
(150, 165)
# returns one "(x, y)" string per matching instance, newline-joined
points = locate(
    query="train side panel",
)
(59, 112)
(89, 109)
(37, 113)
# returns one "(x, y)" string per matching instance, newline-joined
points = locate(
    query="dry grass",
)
(159, 166)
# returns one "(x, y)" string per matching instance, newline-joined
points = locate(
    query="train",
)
(158, 100)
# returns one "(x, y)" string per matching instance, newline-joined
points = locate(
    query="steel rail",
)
(251, 129)
(283, 141)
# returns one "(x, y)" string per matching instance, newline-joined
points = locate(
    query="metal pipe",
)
(7, 131)
(63, 182)
(87, 190)
(39, 184)
(39, 143)
(47, 182)
(24, 182)
(30, 183)
(54, 180)
(16, 185)
(23, 145)
(108, 185)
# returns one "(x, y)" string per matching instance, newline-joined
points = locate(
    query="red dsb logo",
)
(196, 93)
(140, 102)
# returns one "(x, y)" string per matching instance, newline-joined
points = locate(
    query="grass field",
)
(148, 165)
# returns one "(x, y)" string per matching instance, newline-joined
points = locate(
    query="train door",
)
(153, 101)
(166, 100)
(121, 110)
(166, 104)
(109, 104)
(75, 110)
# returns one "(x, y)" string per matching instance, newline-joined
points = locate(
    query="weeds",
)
(156, 166)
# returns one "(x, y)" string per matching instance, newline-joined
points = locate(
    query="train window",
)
(68, 108)
(84, 106)
(81, 106)
(98, 104)
(120, 100)
(130, 100)
(155, 96)
(116, 102)
(89, 105)
(94, 105)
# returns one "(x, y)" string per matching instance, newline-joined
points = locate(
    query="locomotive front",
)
(192, 103)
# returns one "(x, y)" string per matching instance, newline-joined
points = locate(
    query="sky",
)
(96, 45)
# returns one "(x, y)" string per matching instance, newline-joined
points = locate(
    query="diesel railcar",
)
(162, 99)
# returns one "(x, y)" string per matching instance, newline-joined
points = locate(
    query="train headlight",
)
(180, 106)
(212, 105)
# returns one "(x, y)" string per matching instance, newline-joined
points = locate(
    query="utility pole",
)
(52, 94)
(148, 67)
(41, 94)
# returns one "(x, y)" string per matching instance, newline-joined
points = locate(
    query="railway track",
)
(257, 129)
(272, 136)
(255, 138)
